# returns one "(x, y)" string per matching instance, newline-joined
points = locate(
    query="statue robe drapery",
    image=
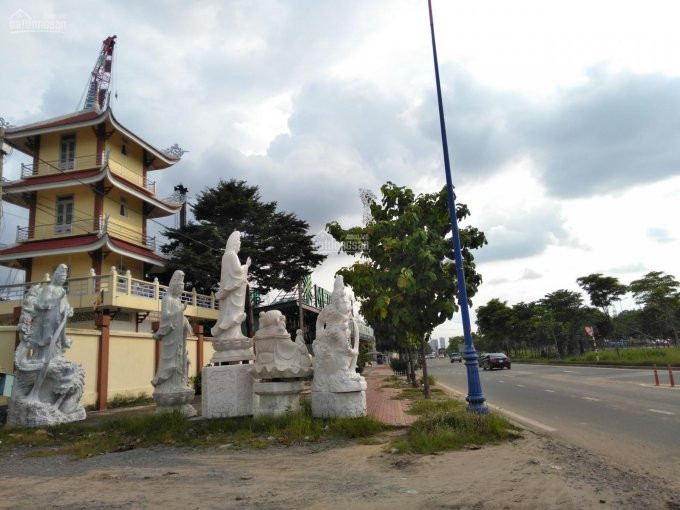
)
(173, 331)
(231, 295)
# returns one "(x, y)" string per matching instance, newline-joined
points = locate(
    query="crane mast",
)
(98, 88)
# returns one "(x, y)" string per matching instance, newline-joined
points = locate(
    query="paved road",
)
(617, 412)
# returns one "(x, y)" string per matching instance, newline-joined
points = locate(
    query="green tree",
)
(603, 291)
(566, 318)
(406, 275)
(658, 293)
(494, 323)
(282, 250)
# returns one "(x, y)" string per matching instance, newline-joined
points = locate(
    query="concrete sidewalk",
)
(379, 401)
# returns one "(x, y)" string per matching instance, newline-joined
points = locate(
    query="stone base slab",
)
(276, 398)
(226, 391)
(175, 401)
(233, 355)
(350, 404)
(33, 413)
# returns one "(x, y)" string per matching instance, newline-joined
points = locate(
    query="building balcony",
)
(114, 291)
(87, 163)
(84, 226)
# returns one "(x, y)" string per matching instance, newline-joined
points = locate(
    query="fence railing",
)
(117, 288)
(88, 162)
(91, 225)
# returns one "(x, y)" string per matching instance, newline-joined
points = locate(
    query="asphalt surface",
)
(616, 412)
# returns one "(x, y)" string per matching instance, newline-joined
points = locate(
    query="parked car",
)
(456, 356)
(494, 360)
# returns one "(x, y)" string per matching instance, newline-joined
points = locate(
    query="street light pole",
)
(475, 397)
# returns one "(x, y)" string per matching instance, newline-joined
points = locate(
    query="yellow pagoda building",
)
(90, 197)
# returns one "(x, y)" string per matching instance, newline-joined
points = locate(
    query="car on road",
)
(493, 360)
(456, 356)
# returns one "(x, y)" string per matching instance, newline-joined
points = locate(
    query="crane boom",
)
(100, 80)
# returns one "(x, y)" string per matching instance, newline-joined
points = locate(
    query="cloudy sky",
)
(562, 117)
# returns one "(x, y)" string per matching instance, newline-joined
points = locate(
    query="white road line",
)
(661, 412)
(520, 386)
(550, 391)
(510, 414)
(570, 371)
(501, 381)
(591, 398)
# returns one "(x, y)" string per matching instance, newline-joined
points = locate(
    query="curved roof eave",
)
(158, 205)
(14, 136)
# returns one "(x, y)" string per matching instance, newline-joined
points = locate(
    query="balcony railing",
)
(87, 163)
(120, 290)
(81, 226)
(50, 230)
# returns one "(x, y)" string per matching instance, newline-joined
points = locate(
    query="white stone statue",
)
(278, 357)
(226, 332)
(336, 347)
(170, 383)
(47, 388)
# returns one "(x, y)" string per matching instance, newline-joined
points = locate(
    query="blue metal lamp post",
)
(475, 397)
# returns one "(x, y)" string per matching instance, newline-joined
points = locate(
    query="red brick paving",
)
(379, 402)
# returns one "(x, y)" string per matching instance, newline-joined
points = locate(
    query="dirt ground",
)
(533, 472)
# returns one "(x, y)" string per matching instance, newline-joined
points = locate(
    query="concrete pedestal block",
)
(175, 401)
(351, 404)
(227, 391)
(276, 398)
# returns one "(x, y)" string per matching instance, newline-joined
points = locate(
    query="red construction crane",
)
(98, 88)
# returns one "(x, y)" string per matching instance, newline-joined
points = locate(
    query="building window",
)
(123, 148)
(64, 219)
(123, 206)
(67, 152)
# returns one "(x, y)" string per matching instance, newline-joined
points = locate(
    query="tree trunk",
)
(412, 370)
(426, 383)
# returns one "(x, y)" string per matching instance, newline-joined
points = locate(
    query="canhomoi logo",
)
(21, 21)
(326, 243)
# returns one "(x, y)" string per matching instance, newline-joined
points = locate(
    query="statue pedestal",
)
(33, 413)
(227, 391)
(275, 398)
(327, 404)
(175, 401)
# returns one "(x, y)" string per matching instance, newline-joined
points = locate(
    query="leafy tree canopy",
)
(602, 290)
(654, 288)
(406, 276)
(279, 244)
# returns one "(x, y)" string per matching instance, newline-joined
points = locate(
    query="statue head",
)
(176, 285)
(234, 242)
(339, 297)
(59, 275)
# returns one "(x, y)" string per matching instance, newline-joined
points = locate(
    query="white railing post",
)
(128, 283)
(114, 283)
(193, 297)
(93, 281)
(156, 289)
(212, 300)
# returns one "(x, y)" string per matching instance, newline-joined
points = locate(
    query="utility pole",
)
(181, 192)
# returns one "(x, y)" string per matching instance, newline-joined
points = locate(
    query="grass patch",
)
(624, 356)
(446, 424)
(119, 400)
(122, 433)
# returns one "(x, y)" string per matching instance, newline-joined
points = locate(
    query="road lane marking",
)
(518, 417)
(520, 386)
(550, 391)
(591, 398)
(501, 381)
(661, 412)
(570, 371)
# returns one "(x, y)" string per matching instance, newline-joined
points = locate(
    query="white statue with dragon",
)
(170, 382)
(47, 388)
(228, 341)
(337, 389)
